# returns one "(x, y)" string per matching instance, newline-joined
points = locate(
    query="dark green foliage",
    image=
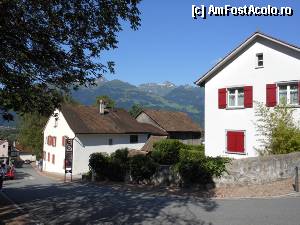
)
(10, 134)
(110, 103)
(192, 171)
(135, 110)
(142, 168)
(49, 47)
(98, 163)
(31, 132)
(113, 167)
(166, 152)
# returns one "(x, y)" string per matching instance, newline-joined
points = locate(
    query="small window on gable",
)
(3, 146)
(110, 141)
(134, 139)
(260, 60)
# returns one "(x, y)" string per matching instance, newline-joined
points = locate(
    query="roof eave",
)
(202, 80)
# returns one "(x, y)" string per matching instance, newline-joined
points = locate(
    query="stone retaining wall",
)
(254, 170)
(260, 170)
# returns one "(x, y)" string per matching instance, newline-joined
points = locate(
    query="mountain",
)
(165, 96)
(159, 89)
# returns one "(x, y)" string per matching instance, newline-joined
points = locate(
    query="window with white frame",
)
(260, 60)
(235, 97)
(288, 94)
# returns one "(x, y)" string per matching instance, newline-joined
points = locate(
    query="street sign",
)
(68, 156)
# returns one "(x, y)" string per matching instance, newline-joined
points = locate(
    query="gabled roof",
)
(172, 121)
(201, 81)
(88, 120)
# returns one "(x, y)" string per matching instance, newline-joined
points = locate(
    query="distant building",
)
(92, 129)
(4, 147)
(178, 125)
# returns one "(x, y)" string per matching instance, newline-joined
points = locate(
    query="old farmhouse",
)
(91, 129)
(178, 125)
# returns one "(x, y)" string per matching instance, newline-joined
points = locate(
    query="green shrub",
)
(194, 167)
(113, 167)
(142, 168)
(216, 166)
(193, 172)
(185, 154)
(166, 152)
(98, 162)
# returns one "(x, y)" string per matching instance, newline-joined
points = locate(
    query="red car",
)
(10, 174)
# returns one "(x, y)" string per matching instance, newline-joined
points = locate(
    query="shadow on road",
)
(75, 203)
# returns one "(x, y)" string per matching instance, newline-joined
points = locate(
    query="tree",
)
(31, 132)
(277, 129)
(110, 103)
(51, 47)
(135, 110)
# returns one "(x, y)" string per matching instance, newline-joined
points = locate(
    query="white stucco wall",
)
(4, 149)
(86, 144)
(280, 64)
(61, 130)
(83, 145)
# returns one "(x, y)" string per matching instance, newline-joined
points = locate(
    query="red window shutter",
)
(230, 141)
(271, 95)
(54, 141)
(299, 92)
(239, 142)
(222, 98)
(248, 97)
(235, 141)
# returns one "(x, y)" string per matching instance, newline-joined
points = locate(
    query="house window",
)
(3, 146)
(134, 139)
(260, 60)
(235, 97)
(53, 159)
(288, 94)
(44, 155)
(235, 142)
(110, 141)
(48, 157)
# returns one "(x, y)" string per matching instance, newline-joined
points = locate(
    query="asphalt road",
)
(53, 202)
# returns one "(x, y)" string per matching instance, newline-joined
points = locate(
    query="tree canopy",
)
(110, 103)
(51, 47)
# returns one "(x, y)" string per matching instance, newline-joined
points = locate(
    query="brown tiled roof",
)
(173, 121)
(87, 120)
(148, 147)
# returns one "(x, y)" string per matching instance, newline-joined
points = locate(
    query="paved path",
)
(53, 202)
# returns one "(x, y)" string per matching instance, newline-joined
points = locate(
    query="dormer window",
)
(259, 60)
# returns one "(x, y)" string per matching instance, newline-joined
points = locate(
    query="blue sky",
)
(170, 45)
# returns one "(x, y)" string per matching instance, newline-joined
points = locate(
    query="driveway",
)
(53, 202)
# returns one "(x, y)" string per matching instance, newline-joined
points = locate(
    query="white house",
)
(3, 148)
(92, 130)
(262, 69)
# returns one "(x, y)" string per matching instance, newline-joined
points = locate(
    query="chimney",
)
(101, 107)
